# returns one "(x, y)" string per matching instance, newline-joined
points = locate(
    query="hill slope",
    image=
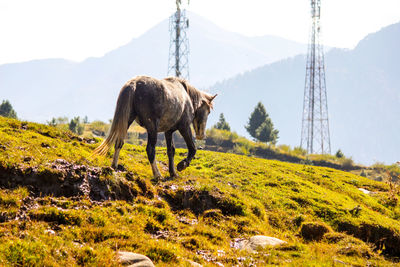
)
(91, 87)
(363, 88)
(58, 207)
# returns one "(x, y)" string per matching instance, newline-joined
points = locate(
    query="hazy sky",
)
(77, 29)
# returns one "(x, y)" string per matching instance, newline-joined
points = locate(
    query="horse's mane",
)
(197, 96)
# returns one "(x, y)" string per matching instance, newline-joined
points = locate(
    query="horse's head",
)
(201, 115)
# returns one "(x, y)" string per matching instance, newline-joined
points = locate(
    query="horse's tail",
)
(119, 126)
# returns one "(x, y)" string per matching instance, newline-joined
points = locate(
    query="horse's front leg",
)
(170, 153)
(151, 152)
(187, 135)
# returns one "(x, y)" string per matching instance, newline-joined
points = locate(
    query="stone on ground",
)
(194, 264)
(259, 241)
(131, 259)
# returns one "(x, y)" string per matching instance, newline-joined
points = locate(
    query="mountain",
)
(42, 89)
(363, 87)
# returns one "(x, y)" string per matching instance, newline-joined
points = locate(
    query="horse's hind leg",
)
(119, 144)
(151, 152)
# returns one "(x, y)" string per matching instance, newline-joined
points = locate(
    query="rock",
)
(314, 231)
(50, 232)
(238, 243)
(221, 253)
(263, 241)
(365, 191)
(257, 241)
(134, 260)
(44, 145)
(194, 264)
(339, 262)
(187, 220)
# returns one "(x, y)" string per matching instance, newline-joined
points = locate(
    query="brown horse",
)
(159, 106)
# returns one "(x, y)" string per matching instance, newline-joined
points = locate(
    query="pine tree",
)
(260, 126)
(222, 124)
(257, 117)
(266, 132)
(6, 110)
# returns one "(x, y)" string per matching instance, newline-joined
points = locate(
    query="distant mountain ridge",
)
(363, 88)
(42, 89)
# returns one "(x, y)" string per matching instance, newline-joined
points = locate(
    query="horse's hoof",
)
(156, 179)
(173, 175)
(181, 165)
(121, 168)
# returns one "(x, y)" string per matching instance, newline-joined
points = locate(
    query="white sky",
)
(77, 29)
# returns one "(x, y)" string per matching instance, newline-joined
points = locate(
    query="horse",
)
(166, 105)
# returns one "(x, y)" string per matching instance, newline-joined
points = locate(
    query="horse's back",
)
(159, 100)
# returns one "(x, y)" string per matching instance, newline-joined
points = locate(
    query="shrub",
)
(299, 151)
(284, 148)
(339, 154)
(363, 173)
(347, 163)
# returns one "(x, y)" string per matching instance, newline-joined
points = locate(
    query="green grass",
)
(233, 143)
(221, 196)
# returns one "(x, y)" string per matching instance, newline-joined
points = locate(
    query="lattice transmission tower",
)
(315, 123)
(178, 62)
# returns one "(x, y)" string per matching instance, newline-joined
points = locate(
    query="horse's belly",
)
(173, 110)
(168, 121)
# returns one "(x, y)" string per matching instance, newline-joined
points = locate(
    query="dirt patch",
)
(61, 178)
(199, 201)
(385, 239)
(313, 231)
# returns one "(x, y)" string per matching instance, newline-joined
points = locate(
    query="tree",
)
(6, 110)
(266, 132)
(257, 117)
(76, 126)
(222, 124)
(260, 126)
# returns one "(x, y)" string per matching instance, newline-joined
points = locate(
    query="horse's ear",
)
(212, 98)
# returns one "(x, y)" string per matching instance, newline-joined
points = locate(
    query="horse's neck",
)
(196, 96)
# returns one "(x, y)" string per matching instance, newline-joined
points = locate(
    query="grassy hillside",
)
(231, 142)
(60, 207)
